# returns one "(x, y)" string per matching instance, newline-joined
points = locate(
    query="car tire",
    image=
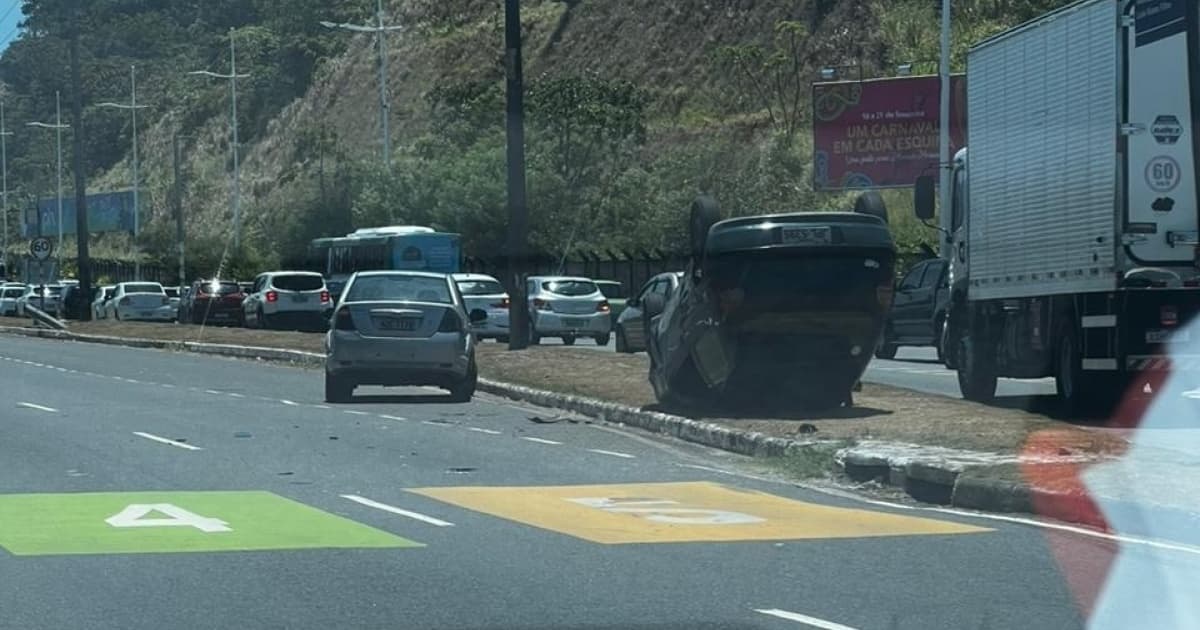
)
(705, 213)
(622, 343)
(568, 340)
(602, 340)
(939, 338)
(464, 390)
(886, 350)
(338, 389)
(261, 320)
(534, 337)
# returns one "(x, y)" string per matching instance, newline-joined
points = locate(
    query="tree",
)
(774, 79)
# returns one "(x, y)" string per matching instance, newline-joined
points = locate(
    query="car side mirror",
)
(478, 316)
(924, 197)
(654, 305)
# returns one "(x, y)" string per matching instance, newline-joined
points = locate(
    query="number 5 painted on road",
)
(135, 516)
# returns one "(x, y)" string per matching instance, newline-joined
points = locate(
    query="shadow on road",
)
(402, 399)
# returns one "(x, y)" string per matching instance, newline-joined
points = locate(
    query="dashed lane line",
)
(487, 431)
(36, 407)
(424, 518)
(168, 442)
(611, 453)
(812, 622)
(541, 441)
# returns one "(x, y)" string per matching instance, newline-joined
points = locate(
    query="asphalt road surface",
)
(144, 489)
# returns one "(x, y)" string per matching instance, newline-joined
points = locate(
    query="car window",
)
(913, 279)
(144, 288)
(612, 290)
(298, 282)
(399, 288)
(479, 287)
(933, 271)
(219, 288)
(570, 288)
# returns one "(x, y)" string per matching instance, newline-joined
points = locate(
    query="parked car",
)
(211, 301)
(44, 298)
(617, 297)
(8, 300)
(396, 328)
(631, 328)
(288, 299)
(485, 293)
(918, 315)
(103, 295)
(74, 302)
(139, 301)
(569, 308)
(175, 295)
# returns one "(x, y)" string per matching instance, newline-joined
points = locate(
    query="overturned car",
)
(779, 309)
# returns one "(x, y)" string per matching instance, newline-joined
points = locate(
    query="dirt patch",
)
(880, 412)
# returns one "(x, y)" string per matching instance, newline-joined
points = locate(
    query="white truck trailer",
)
(1074, 226)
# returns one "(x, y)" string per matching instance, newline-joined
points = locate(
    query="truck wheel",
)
(705, 213)
(1081, 393)
(976, 371)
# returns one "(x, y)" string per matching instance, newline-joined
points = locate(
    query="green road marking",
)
(67, 524)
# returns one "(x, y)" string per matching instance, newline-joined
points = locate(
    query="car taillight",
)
(272, 296)
(343, 320)
(324, 297)
(1168, 316)
(603, 307)
(450, 323)
(541, 305)
(503, 303)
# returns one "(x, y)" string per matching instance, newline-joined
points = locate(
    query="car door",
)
(904, 306)
(250, 304)
(924, 301)
(634, 326)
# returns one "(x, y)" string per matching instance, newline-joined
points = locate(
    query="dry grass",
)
(880, 412)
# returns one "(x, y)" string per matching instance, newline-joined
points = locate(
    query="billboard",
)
(107, 212)
(881, 133)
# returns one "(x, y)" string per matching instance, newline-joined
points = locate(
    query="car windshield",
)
(144, 288)
(298, 282)
(399, 288)
(13, 293)
(570, 288)
(219, 288)
(479, 287)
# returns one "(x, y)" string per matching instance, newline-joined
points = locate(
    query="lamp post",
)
(944, 129)
(58, 128)
(4, 134)
(132, 107)
(232, 77)
(380, 29)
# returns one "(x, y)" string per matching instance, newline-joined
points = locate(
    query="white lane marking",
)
(133, 380)
(326, 407)
(213, 392)
(395, 510)
(236, 395)
(613, 453)
(29, 405)
(804, 619)
(168, 385)
(487, 431)
(163, 440)
(541, 441)
(289, 402)
(396, 418)
(63, 370)
(353, 412)
(435, 424)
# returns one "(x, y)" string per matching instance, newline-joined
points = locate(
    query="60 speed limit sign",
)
(41, 248)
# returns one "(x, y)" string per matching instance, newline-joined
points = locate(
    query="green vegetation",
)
(633, 109)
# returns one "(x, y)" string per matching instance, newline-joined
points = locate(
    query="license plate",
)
(397, 324)
(1163, 336)
(299, 299)
(806, 235)
(575, 323)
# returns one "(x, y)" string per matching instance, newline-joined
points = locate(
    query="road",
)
(144, 489)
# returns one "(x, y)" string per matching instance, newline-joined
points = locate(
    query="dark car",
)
(631, 329)
(918, 314)
(75, 303)
(212, 301)
(773, 309)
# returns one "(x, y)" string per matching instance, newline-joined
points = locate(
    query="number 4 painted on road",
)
(135, 516)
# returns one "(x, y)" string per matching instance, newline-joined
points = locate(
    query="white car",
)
(569, 308)
(8, 300)
(485, 293)
(103, 295)
(47, 299)
(288, 299)
(132, 301)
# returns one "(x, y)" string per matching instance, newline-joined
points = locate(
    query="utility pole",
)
(4, 134)
(82, 256)
(178, 203)
(944, 157)
(232, 77)
(385, 107)
(132, 107)
(58, 128)
(518, 219)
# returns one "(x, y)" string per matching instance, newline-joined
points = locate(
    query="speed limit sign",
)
(41, 248)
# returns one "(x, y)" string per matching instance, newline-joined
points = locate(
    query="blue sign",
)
(107, 212)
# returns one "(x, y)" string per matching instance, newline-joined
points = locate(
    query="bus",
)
(399, 247)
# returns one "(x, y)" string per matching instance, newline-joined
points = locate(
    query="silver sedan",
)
(398, 328)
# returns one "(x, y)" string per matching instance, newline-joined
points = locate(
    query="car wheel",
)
(939, 339)
(622, 343)
(117, 315)
(534, 337)
(603, 340)
(261, 320)
(338, 389)
(464, 390)
(568, 340)
(885, 349)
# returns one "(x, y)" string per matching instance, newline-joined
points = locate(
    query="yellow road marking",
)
(682, 512)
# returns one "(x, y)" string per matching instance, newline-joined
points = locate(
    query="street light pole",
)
(518, 216)
(232, 77)
(944, 156)
(4, 134)
(380, 30)
(58, 127)
(132, 106)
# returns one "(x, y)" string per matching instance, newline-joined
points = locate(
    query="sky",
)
(11, 12)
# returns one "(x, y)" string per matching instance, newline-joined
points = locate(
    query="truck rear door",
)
(1161, 75)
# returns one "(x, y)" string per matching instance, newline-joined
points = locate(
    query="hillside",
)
(634, 107)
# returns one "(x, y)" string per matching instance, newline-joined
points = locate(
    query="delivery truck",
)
(1074, 225)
